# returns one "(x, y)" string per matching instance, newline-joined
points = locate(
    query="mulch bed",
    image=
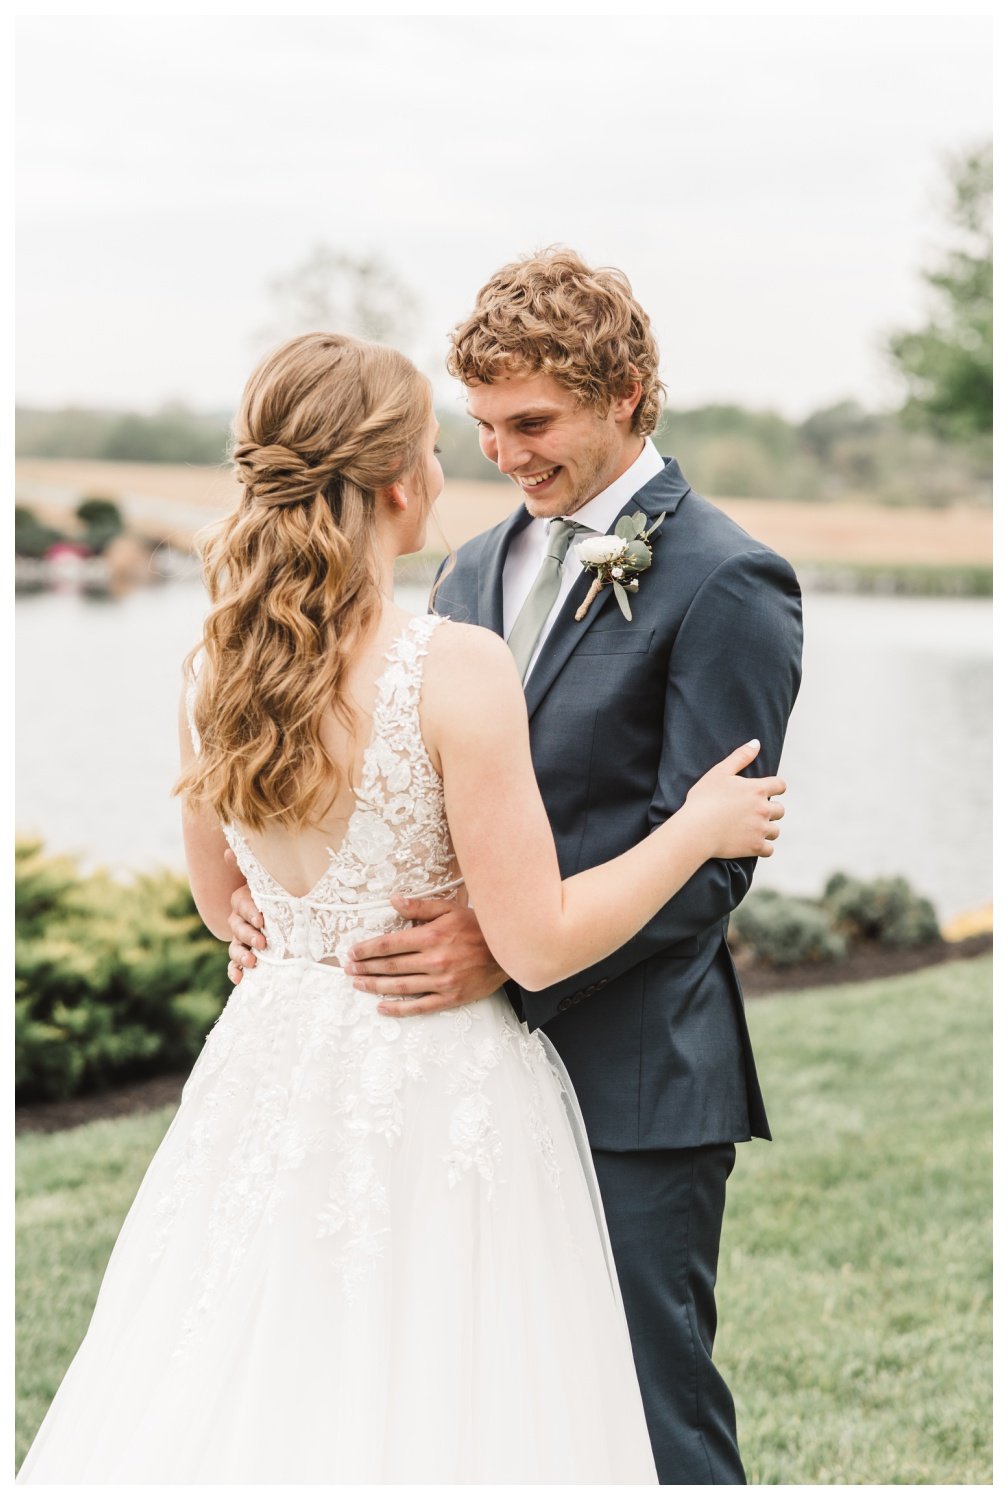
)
(870, 961)
(130, 1099)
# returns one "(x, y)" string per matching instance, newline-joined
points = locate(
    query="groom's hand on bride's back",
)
(245, 922)
(438, 963)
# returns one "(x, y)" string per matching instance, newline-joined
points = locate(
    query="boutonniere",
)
(617, 559)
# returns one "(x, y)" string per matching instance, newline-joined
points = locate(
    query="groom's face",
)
(560, 454)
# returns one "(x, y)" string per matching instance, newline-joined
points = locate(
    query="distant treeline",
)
(727, 451)
(173, 435)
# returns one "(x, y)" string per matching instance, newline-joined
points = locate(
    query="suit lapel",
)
(490, 577)
(662, 493)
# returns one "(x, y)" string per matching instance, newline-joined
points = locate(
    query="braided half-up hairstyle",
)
(324, 423)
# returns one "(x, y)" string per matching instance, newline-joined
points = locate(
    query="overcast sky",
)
(772, 185)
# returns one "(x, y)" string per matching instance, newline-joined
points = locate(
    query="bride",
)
(370, 1248)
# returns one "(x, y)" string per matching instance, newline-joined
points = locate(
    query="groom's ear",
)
(625, 405)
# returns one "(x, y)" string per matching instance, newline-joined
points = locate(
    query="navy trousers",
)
(664, 1211)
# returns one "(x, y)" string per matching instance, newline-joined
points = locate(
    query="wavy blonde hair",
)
(553, 313)
(324, 422)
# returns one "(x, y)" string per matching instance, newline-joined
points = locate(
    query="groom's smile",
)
(536, 481)
(557, 450)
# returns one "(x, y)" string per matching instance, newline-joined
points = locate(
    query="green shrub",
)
(96, 510)
(44, 888)
(784, 930)
(32, 538)
(885, 911)
(102, 521)
(113, 982)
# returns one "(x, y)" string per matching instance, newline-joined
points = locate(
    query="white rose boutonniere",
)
(599, 549)
(616, 560)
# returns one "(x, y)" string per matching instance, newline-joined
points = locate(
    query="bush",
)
(102, 521)
(44, 888)
(884, 911)
(113, 982)
(784, 930)
(95, 510)
(32, 538)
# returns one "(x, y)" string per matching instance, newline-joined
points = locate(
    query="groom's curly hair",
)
(555, 314)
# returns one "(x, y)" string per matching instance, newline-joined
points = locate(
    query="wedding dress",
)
(368, 1249)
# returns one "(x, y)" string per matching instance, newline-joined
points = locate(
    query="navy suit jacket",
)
(624, 716)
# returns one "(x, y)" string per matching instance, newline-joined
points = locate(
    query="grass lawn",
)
(855, 1284)
(856, 1269)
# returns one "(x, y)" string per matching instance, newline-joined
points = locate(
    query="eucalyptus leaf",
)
(655, 524)
(622, 599)
(639, 520)
(626, 528)
(638, 554)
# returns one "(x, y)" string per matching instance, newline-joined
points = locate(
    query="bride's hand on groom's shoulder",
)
(439, 963)
(737, 812)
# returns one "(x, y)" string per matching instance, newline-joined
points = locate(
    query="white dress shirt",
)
(527, 550)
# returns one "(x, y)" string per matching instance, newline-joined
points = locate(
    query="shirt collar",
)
(599, 513)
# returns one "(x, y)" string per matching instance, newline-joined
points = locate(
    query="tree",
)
(335, 292)
(948, 365)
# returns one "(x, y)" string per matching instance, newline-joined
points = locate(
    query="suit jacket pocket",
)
(614, 642)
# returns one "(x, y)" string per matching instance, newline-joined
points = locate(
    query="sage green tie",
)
(527, 628)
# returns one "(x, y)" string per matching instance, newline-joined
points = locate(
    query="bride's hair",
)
(324, 422)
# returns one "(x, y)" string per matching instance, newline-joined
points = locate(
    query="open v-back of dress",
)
(396, 839)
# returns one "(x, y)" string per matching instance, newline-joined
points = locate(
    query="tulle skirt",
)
(367, 1250)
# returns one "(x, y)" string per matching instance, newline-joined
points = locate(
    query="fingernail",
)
(752, 745)
(349, 967)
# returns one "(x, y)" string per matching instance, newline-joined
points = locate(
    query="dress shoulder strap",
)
(396, 753)
(422, 627)
(401, 681)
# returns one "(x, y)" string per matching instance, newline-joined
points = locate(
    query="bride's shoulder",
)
(460, 646)
(472, 709)
(468, 664)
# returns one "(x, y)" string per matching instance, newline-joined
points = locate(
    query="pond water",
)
(888, 758)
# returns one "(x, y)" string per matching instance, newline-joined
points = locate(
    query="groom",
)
(561, 374)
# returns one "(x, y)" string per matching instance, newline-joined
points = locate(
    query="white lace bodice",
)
(397, 838)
